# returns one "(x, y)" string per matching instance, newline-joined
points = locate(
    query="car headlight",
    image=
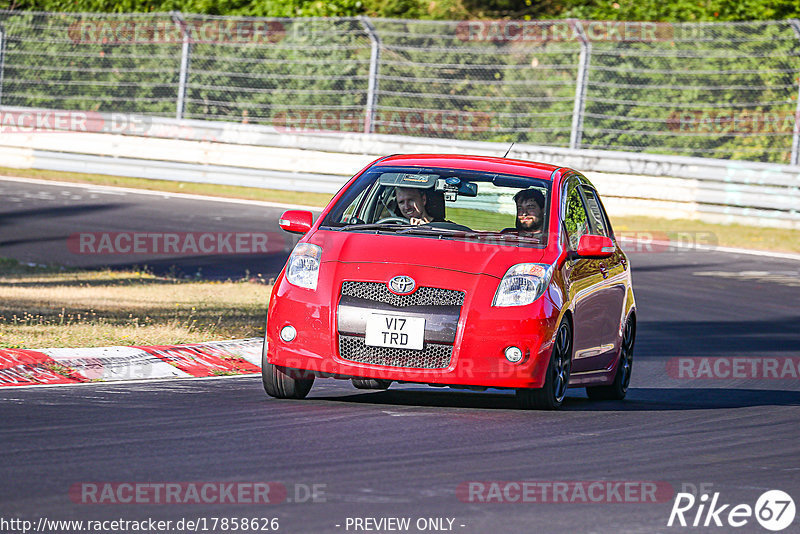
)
(522, 284)
(303, 266)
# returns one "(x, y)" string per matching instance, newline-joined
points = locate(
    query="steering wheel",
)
(399, 220)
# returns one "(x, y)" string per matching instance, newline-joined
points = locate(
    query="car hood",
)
(447, 254)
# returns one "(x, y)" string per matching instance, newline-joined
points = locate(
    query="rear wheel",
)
(551, 395)
(284, 382)
(371, 383)
(617, 389)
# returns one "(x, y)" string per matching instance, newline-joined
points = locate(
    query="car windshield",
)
(445, 203)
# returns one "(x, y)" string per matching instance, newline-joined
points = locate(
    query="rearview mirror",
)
(594, 246)
(296, 221)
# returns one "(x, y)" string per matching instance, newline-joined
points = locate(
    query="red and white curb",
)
(25, 367)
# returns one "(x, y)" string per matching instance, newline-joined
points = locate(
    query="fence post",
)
(579, 107)
(2, 59)
(186, 51)
(796, 130)
(372, 88)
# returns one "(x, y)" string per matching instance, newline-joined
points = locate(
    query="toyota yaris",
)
(462, 271)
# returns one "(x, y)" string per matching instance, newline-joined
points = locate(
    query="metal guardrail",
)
(261, 156)
(187, 172)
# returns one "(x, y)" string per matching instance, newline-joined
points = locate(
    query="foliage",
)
(652, 10)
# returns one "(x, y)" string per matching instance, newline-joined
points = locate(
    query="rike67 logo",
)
(774, 510)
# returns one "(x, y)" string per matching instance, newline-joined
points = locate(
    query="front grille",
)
(423, 296)
(433, 356)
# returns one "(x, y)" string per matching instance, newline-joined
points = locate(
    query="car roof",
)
(542, 171)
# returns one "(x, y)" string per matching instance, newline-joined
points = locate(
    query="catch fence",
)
(719, 90)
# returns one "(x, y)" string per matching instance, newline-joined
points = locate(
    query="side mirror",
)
(594, 246)
(296, 221)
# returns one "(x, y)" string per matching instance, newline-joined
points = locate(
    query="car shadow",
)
(638, 400)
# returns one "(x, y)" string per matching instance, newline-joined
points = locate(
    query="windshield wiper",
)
(427, 230)
(373, 226)
(509, 237)
(471, 234)
(441, 232)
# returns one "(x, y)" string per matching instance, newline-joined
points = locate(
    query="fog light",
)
(288, 333)
(513, 354)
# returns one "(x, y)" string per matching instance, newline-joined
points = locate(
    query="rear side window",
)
(576, 219)
(598, 220)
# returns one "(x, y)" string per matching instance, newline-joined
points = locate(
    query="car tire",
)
(551, 395)
(619, 388)
(284, 382)
(371, 383)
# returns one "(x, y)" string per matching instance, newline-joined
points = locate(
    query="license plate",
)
(395, 331)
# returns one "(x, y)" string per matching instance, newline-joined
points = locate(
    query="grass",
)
(733, 235)
(52, 307)
(480, 220)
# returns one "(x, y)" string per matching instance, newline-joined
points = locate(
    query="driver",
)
(412, 203)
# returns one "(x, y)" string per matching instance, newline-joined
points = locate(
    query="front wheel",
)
(551, 395)
(618, 388)
(283, 382)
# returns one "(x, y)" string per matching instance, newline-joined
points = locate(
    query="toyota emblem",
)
(402, 285)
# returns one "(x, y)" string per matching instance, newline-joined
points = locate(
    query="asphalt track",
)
(42, 223)
(405, 452)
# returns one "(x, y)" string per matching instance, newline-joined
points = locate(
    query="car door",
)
(583, 282)
(611, 290)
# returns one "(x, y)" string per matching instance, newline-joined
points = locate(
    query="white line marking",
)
(405, 414)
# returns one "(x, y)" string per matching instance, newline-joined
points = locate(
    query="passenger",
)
(530, 212)
(412, 203)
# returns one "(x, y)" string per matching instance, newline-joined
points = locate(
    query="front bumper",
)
(476, 354)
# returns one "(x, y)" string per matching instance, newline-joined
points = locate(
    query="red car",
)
(462, 271)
